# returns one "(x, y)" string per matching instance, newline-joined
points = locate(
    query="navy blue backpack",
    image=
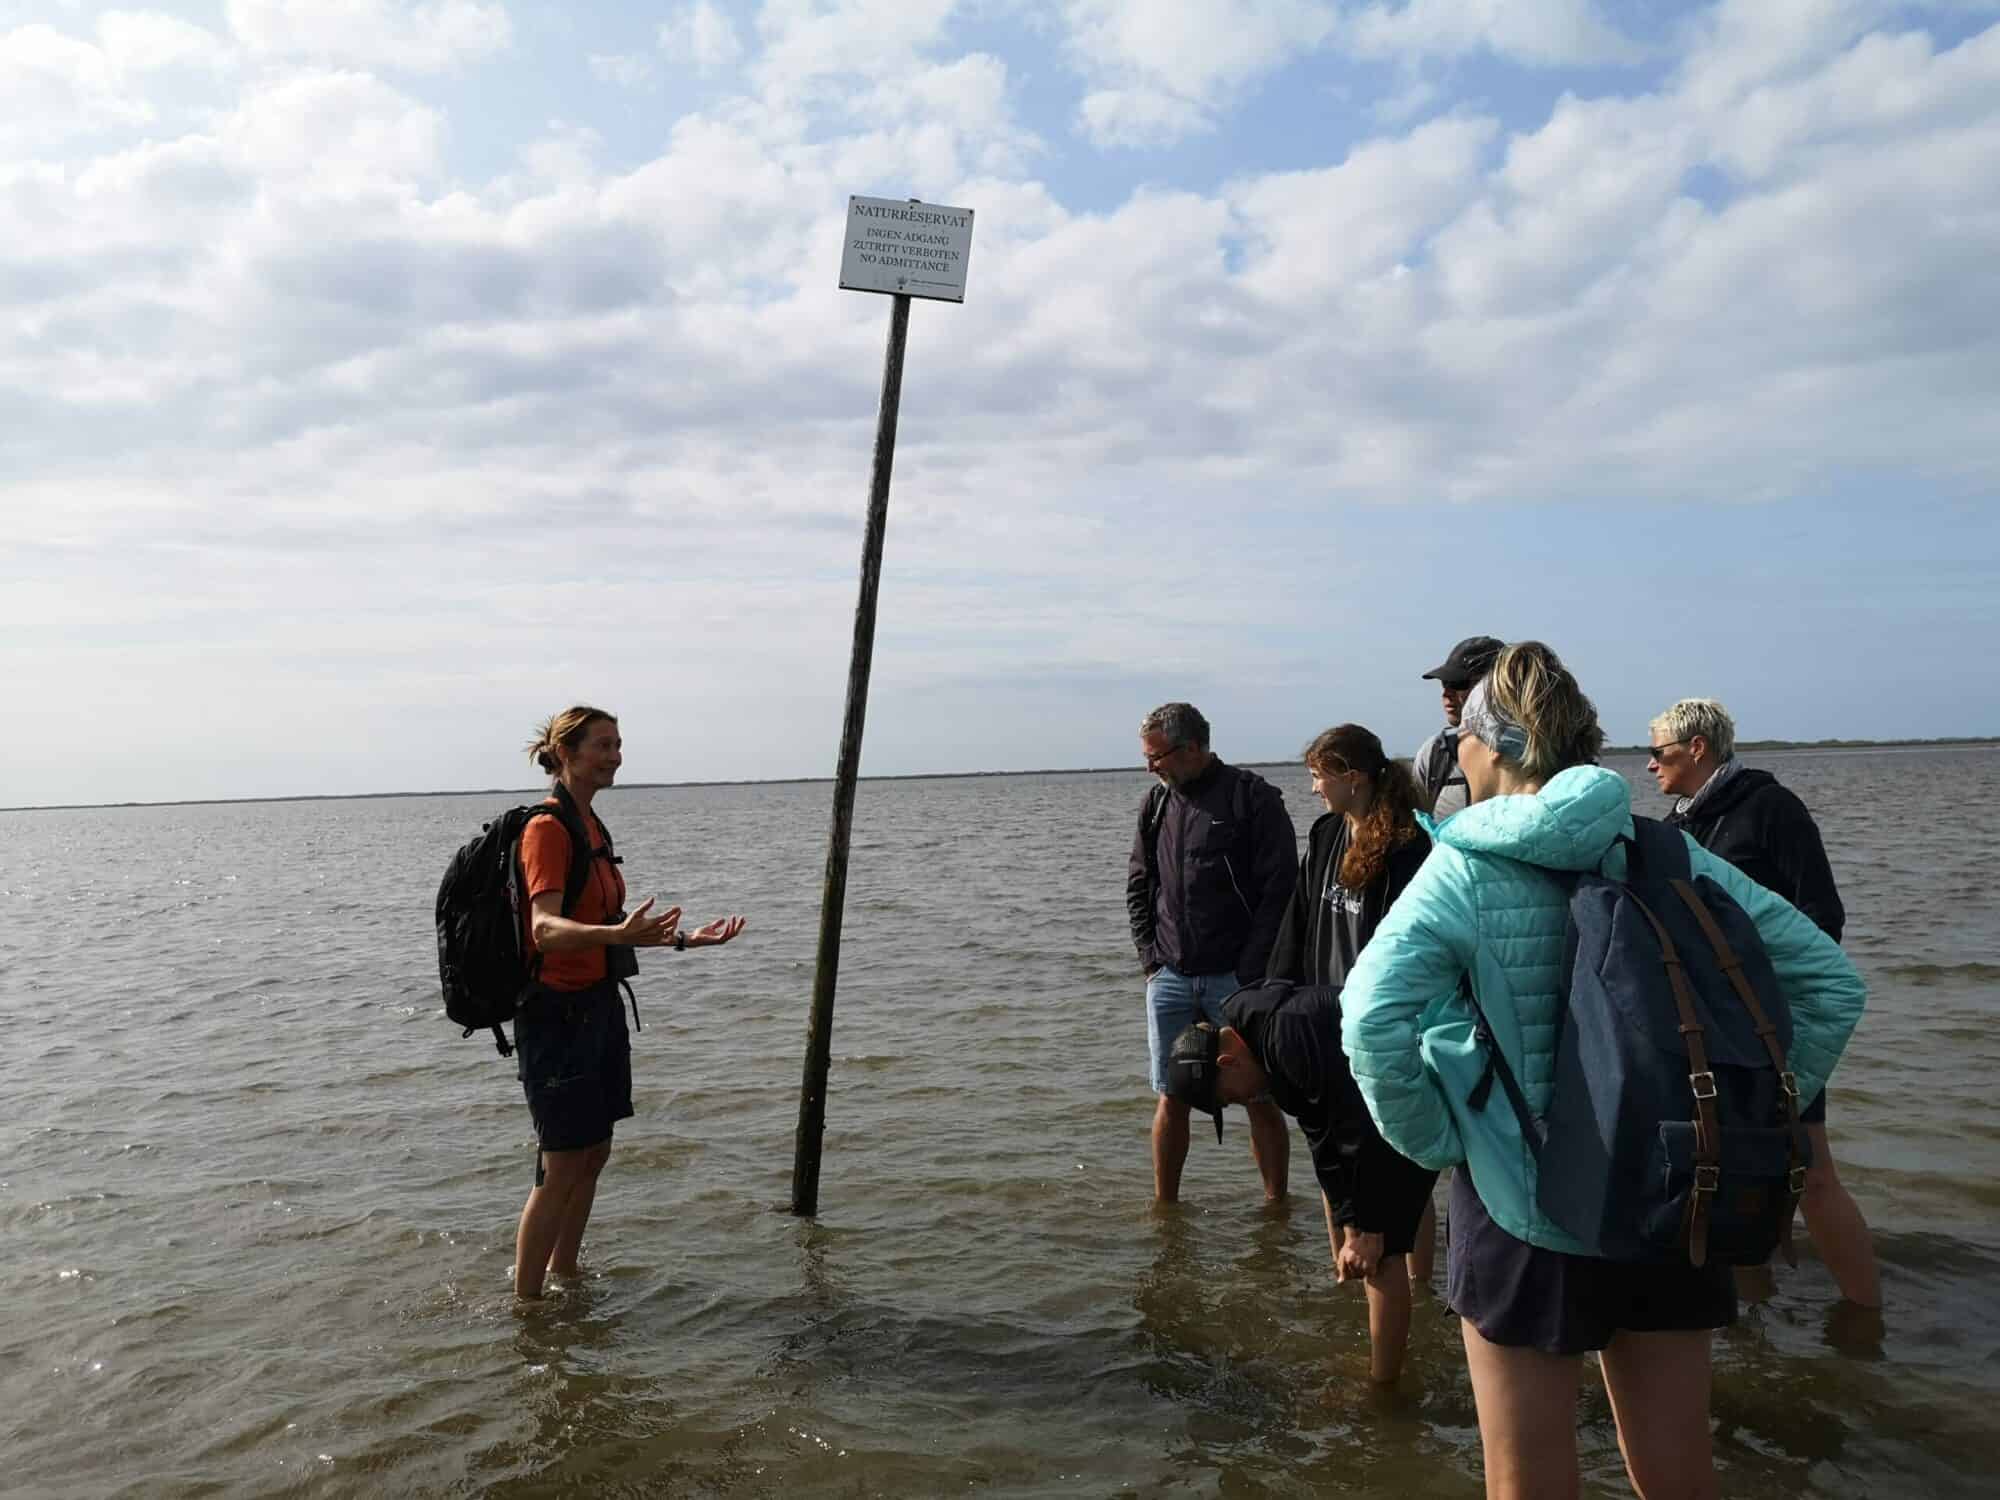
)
(1672, 1131)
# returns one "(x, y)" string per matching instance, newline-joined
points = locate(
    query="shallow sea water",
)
(257, 1196)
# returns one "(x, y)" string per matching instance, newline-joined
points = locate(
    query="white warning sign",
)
(901, 245)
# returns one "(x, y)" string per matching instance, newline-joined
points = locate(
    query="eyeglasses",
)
(1653, 751)
(1153, 760)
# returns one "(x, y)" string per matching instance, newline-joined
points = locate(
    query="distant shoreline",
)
(1956, 742)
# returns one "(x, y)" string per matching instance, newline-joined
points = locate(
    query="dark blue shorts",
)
(1525, 1297)
(574, 1058)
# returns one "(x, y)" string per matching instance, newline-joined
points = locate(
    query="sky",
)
(379, 376)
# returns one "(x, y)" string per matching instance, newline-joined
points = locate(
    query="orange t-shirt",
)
(545, 855)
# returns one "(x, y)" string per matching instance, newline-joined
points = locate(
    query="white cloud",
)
(1140, 117)
(421, 36)
(627, 70)
(137, 42)
(1160, 71)
(703, 35)
(1317, 232)
(58, 86)
(1544, 33)
(307, 379)
(333, 132)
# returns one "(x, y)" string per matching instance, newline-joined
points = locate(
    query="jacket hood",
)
(1745, 784)
(1568, 825)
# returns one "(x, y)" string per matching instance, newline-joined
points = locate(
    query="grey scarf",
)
(1683, 806)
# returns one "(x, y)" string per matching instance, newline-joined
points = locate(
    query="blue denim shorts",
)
(1174, 1002)
(574, 1058)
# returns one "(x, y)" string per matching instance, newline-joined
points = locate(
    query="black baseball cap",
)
(1470, 660)
(1193, 1075)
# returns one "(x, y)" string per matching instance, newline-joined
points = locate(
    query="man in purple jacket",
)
(1213, 862)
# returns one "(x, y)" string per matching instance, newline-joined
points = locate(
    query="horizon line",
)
(1946, 741)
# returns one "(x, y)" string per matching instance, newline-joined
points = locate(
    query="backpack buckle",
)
(1707, 1178)
(1798, 1181)
(1703, 1084)
(1790, 1085)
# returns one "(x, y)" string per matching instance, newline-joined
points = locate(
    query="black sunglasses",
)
(1653, 751)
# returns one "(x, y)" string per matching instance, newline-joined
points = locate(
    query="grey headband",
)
(1488, 723)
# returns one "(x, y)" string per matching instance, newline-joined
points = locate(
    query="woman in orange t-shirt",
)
(575, 1056)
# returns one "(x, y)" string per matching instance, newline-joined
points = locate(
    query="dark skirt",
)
(574, 1058)
(1524, 1297)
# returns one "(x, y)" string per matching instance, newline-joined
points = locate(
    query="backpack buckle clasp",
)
(1790, 1084)
(1703, 1085)
(1707, 1179)
(1798, 1181)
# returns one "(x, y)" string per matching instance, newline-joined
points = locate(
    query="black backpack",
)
(483, 962)
(1672, 1131)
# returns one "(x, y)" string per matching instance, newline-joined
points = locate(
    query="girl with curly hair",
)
(1359, 856)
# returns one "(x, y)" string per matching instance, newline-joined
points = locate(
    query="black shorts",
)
(1386, 1195)
(574, 1058)
(1525, 1297)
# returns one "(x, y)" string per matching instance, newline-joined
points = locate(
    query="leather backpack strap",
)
(1701, 1079)
(1797, 1150)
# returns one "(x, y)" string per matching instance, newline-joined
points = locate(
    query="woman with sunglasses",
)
(1742, 814)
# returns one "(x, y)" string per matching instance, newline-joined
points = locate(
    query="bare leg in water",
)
(554, 1217)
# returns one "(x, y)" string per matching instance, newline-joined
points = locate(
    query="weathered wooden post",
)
(906, 249)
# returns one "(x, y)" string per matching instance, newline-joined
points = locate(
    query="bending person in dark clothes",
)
(1283, 1041)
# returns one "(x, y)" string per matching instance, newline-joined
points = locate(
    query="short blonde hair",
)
(1701, 718)
(1530, 685)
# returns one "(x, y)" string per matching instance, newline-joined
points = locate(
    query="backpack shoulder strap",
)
(1701, 1081)
(579, 841)
(1798, 1149)
(580, 854)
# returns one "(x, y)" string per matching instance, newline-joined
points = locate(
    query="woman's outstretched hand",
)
(642, 931)
(721, 930)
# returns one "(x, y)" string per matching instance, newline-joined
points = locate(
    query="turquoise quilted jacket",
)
(1474, 908)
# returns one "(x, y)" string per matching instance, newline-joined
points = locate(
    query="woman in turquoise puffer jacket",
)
(1529, 1299)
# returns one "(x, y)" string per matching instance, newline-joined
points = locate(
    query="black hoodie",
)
(1766, 832)
(1325, 925)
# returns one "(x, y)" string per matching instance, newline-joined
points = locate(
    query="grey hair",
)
(1704, 718)
(1178, 723)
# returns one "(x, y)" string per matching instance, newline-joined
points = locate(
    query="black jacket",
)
(1307, 949)
(1294, 1031)
(1766, 832)
(1208, 881)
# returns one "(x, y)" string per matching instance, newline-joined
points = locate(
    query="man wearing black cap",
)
(1436, 760)
(1283, 1040)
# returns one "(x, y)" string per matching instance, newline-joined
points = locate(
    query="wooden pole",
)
(819, 1030)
